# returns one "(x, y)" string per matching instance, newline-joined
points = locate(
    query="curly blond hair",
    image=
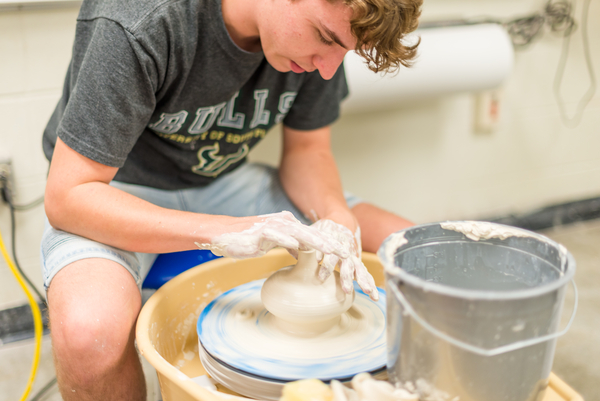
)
(380, 27)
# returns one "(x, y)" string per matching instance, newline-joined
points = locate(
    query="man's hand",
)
(274, 230)
(350, 267)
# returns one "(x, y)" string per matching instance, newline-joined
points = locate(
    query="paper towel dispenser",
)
(452, 59)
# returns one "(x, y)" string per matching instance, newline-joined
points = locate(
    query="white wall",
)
(35, 48)
(421, 160)
(426, 162)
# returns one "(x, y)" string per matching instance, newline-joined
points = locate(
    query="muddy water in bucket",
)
(473, 310)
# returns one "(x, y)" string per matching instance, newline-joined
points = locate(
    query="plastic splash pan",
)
(166, 327)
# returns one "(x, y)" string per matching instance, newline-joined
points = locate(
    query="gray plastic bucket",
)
(473, 310)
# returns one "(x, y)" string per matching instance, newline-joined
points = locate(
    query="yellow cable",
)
(37, 319)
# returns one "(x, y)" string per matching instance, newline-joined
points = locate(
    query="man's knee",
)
(89, 331)
(376, 224)
(92, 319)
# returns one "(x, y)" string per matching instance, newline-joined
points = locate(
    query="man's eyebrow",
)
(333, 36)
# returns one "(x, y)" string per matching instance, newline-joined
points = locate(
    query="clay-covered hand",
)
(273, 230)
(350, 267)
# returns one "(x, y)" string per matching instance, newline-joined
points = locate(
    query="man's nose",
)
(328, 63)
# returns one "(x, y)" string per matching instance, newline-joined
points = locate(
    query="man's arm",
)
(79, 200)
(310, 177)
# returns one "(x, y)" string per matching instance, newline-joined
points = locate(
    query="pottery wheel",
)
(239, 334)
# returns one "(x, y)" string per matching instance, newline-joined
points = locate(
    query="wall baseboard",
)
(17, 323)
(554, 216)
(18, 5)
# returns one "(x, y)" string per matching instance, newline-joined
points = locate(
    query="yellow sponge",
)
(306, 390)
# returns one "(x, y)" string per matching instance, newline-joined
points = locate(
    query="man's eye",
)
(325, 41)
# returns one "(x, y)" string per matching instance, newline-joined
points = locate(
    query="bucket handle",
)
(478, 350)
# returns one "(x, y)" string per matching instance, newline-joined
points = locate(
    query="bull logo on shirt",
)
(222, 115)
(211, 164)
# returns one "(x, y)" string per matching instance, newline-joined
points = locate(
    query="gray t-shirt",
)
(159, 89)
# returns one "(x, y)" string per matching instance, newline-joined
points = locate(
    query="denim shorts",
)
(250, 190)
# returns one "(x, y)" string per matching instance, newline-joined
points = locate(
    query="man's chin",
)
(279, 64)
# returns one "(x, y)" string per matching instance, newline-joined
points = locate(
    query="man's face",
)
(305, 35)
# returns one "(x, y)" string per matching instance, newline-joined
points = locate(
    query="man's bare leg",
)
(376, 225)
(93, 307)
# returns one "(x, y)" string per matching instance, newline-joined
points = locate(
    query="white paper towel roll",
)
(450, 60)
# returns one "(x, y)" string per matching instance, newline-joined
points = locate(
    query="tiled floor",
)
(15, 365)
(577, 358)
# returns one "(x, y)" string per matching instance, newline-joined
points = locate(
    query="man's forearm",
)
(310, 177)
(113, 217)
(80, 201)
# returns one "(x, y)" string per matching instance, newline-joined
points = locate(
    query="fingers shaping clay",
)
(302, 303)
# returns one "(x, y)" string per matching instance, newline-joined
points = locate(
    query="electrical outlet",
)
(487, 110)
(5, 180)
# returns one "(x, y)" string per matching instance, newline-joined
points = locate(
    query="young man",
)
(162, 102)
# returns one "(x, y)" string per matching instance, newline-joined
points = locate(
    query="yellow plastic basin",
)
(166, 327)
